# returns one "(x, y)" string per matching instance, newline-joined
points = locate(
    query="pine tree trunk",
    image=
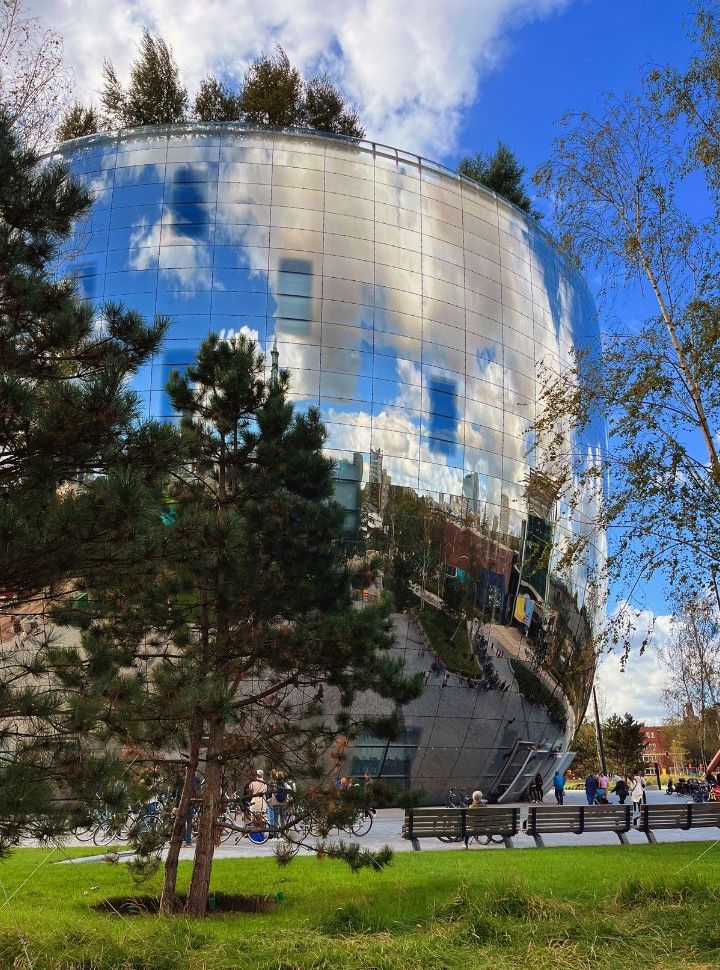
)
(167, 899)
(205, 846)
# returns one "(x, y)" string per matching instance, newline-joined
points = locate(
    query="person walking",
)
(621, 790)
(591, 786)
(538, 786)
(637, 791)
(559, 786)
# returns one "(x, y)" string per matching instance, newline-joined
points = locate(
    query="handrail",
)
(399, 156)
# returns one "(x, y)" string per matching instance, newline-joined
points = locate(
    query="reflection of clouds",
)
(231, 334)
(406, 458)
(195, 273)
(413, 309)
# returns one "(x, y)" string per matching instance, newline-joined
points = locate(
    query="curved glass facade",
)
(413, 308)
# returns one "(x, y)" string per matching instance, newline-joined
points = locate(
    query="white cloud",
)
(411, 69)
(638, 688)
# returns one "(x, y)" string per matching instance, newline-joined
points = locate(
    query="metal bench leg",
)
(650, 837)
(539, 841)
(623, 838)
(509, 844)
(415, 844)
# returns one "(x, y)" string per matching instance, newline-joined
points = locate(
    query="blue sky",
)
(437, 79)
(567, 61)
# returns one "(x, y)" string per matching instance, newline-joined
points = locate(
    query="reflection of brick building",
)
(657, 750)
(486, 559)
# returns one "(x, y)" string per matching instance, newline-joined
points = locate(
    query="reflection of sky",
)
(411, 308)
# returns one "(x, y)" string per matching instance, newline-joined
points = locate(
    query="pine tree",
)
(77, 122)
(273, 92)
(248, 618)
(77, 469)
(154, 94)
(501, 172)
(325, 109)
(624, 743)
(216, 102)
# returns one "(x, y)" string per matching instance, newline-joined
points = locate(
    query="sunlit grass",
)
(579, 907)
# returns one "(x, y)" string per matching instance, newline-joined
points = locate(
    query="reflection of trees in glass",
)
(414, 544)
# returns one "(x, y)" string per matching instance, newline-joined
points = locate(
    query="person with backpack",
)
(277, 802)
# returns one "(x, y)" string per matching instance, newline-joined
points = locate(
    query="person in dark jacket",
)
(621, 790)
(537, 795)
(591, 786)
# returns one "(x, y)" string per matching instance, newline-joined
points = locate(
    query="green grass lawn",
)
(449, 639)
(593, 907)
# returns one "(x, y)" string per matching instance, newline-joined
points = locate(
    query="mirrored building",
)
(413, 308)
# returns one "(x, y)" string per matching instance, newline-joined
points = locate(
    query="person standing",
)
(538, 788)
(280, 797)
(559, 786)
(621, 790)
(257, 792)
(591, 786)
(604, 782)
(637, 791)
(271, 802)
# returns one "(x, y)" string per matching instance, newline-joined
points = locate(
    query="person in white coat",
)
(637, 790)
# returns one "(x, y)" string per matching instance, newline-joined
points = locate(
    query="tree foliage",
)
(325, 109)
(692, 658)
(154, 94)
(624, 743)
(585, 746)
(79, 120)
(614, 179)
(272, 92)
(501, 172)
(214, 101)
(34, 82)
(243, 640)
(692, 95)
(76, 467)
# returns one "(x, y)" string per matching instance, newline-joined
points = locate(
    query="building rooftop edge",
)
(378, 148)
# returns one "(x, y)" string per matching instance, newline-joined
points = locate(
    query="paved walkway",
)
(387, 828)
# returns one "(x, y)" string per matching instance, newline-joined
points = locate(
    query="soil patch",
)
(218, 903)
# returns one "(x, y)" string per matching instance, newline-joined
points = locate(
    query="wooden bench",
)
(460, 823)
(685, 816)
(577, 819)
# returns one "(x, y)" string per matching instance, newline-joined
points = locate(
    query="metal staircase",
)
(526, 759)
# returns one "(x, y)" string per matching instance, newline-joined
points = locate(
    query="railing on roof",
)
(375, 147)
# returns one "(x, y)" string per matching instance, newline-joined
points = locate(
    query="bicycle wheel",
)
(225, 828)
(362, 824)
(449, 839)
(497, 839)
